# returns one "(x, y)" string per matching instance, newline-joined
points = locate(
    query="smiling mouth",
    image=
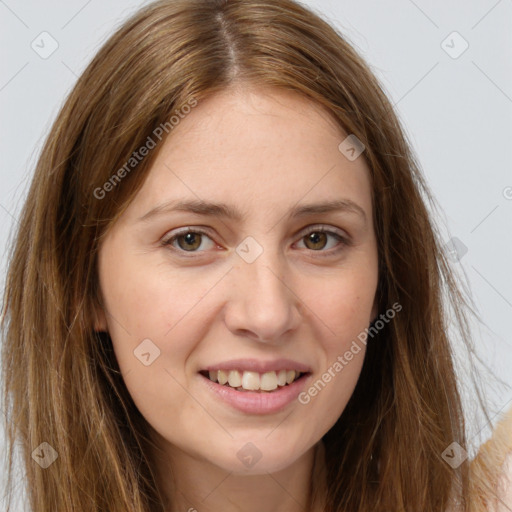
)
(253, 381)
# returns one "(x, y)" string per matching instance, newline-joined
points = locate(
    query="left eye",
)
(189, 240)
(319, 236)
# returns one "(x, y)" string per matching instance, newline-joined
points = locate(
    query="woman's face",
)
(243, 282)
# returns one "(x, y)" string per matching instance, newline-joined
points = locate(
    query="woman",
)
(226, 289)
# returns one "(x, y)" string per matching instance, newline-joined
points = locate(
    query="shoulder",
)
(491, 471)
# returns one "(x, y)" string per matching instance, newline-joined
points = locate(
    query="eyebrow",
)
(212, 209)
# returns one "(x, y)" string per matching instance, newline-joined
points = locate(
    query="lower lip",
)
(257, 402)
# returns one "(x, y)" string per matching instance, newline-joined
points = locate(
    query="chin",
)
(260, 456)
(262, 466)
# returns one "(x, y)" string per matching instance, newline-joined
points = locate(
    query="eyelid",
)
(325, 228)
(168, 240)
(343, 238)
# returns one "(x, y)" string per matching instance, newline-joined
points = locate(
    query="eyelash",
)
(344, 242)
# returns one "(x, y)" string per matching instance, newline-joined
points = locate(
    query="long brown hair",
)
(62, 384)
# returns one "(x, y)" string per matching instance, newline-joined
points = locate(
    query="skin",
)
(262, 151)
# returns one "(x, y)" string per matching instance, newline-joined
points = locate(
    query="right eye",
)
(188, 240)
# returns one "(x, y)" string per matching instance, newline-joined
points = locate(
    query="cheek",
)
(149, 320)
(146, 301)
(343, 305)
(156, 320)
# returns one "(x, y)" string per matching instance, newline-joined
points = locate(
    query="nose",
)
(262, 304)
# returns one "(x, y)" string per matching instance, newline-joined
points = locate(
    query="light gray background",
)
(457, 113)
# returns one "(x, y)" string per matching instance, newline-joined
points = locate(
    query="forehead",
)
(256, 149)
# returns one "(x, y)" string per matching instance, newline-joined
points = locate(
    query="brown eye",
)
(316, 240)
(188, 240)
(191, 241)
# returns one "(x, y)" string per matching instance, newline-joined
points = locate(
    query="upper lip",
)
(256, 365)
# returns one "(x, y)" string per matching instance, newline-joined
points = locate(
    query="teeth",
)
(234, 379)
(222, 377)
(254, 381)
(290, 376)
(251, 381)
(269, 381)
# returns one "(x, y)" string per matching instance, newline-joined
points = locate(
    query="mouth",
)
(255, 382)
